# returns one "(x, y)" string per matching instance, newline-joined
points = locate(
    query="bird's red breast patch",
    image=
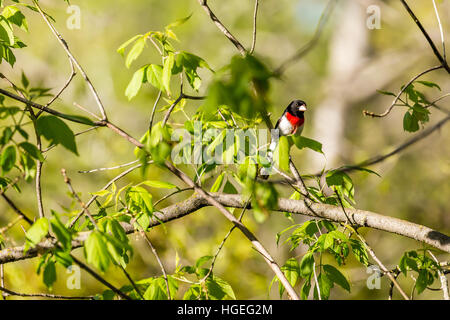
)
(295, 121)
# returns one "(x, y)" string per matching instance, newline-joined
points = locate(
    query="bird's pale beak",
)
(302, 108)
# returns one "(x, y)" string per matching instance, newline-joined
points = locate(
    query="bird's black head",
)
(297, 108)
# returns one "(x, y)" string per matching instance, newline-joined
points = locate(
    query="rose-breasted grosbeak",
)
(290, 122)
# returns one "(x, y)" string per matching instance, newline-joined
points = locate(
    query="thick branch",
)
(333, 213)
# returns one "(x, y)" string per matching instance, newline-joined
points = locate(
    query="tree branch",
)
(72, 58)
(221, 27)
(361, 218)
(427, 36)
(397, 97)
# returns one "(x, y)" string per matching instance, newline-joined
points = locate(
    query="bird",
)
(291, 122)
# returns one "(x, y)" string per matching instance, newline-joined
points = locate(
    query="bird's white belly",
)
(285, 127)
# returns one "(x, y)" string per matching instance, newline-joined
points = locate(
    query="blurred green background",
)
(338, 79)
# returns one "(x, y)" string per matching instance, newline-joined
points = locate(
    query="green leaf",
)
(359, 169)
(36, 233)
(6, 136)
(325, 285)
(13, 15)
(281, 154)
(139, 201)
(24, 80)
(29, 165)
(63, 258)
(57, 132)
(387, 93)
(410, 122)
(49, 274)
(218, 289)
(117, 231)
(6, 31)
(159, 184)
(218, 183)
(6, 53)
(32, 150)
(154, 76)
(193, 293)
(202, 260)
(156, 290)
(167, 71)
(100, 193)
(96, 251)
(304, 291)
(178, 22)
(62, 233)
(121, 49)
(8, 159)
(359, 251)
(307, 264)
(336, 276)
(190, 62)
(79, 119)
(429, 84)
(409, 262)
(329, 241)
(302, 142)
(135, 52)
(291, 270)
(135, 83)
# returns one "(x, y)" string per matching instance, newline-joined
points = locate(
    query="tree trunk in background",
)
(353, 78)
(347, 50)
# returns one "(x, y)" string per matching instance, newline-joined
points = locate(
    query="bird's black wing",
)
(279, 119)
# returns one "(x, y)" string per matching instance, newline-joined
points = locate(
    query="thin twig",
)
(75, 195)
(144, 235)
(133, 284)
(371, 252)
(397, 97)
(45, 109)
(170, 194)
(86, 110)
(99, 278)
(8, 292)
(2, 281)
(110, 168)
(247, 233)
(442, 278)
(255, 14)
(222, 28)
(311, 43)
(219, 249)
(168, 113)
(383, 268)
(76, 135)
(64, 87)
(316, 281)
(440, 30)
(71, 57)
(396, 272)
(10, 225)
(380, 158)
(152, 116)
(121, 175)
(427, 36)
(16, 209)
